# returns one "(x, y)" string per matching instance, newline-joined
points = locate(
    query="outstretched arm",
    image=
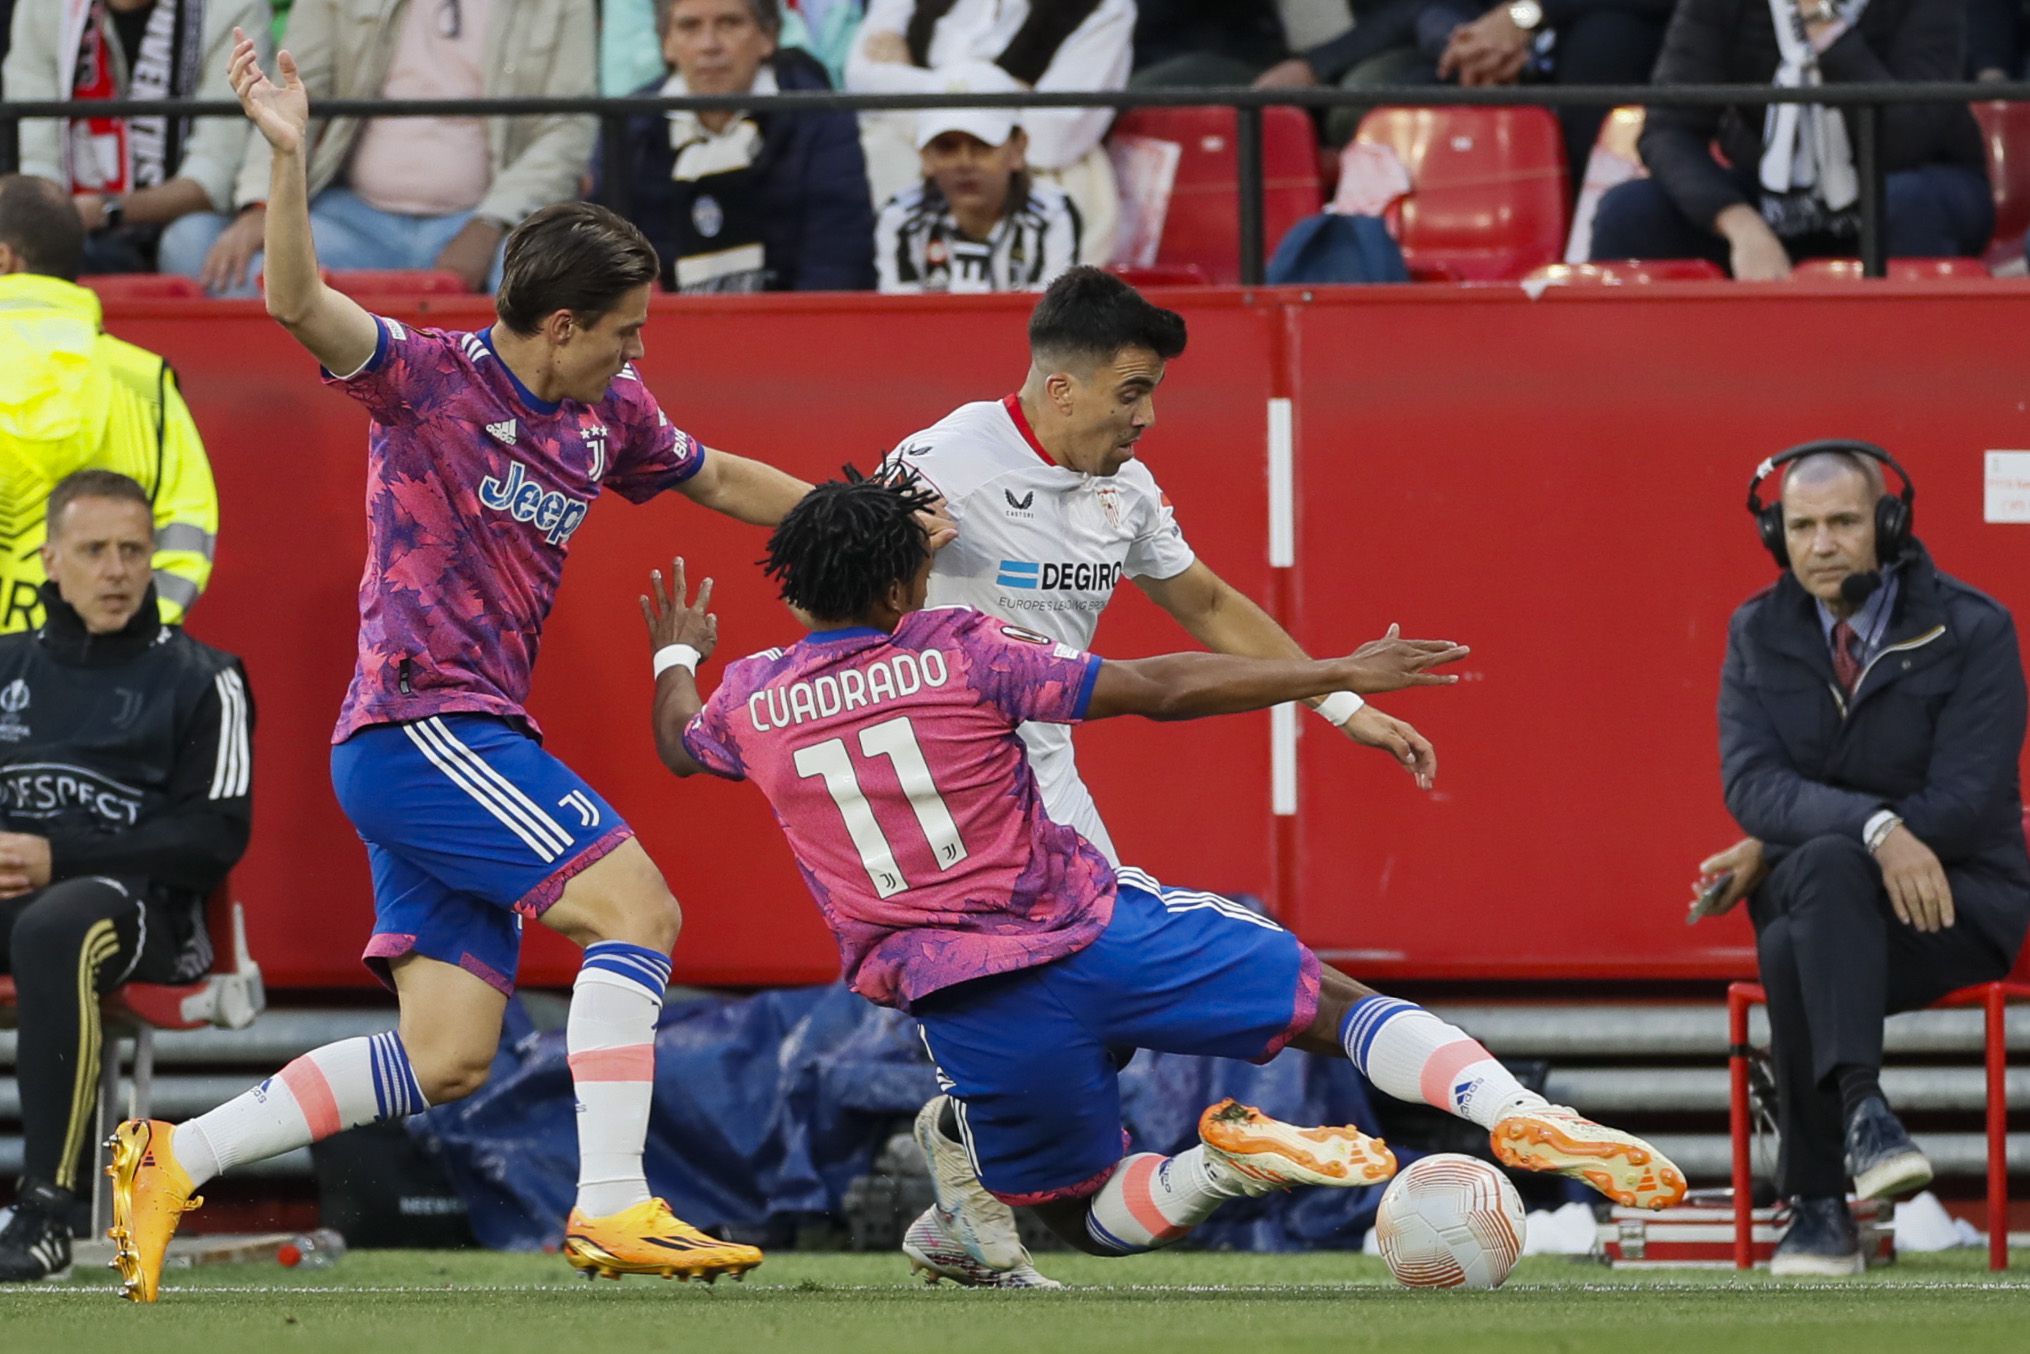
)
(746, 490)
(1225, 620)
(336, 330)
(1195, 685)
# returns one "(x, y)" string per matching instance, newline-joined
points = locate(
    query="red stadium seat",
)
(228, 998)
(1633, 271)
(2006, 129)
(1487, 196)
(1900, 270)
(1162, 275)
(143, 287)
(1993, 999)
(357, 282)
(1203, 226)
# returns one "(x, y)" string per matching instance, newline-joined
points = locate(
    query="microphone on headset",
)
(1856, 589)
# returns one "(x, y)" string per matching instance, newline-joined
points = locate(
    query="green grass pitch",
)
(393, 1302)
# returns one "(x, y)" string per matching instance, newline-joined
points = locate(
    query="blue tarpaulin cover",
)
(768, 1106)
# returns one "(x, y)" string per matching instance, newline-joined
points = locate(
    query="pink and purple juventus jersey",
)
(893, 766)
(474, 488)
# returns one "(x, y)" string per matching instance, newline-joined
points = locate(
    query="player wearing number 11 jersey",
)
(886, 741)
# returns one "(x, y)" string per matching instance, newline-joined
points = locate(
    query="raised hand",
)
(673, 620)
(282, 112)
(1391, 663)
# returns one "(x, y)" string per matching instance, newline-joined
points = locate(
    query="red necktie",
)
(1846, 665)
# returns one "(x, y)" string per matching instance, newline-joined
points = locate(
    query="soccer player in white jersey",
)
(1054, 509)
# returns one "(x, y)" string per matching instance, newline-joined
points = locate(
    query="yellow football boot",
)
(649, 1239)
(151, 1193)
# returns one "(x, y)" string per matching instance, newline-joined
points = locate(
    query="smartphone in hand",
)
(1709, 898)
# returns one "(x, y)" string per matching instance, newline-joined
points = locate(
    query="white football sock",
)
(1151, 1200)
(610, 1037)
(338, 1086)
(1413, 1055)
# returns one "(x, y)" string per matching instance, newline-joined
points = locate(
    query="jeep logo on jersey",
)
(1026, 574)
(555, 515)
(45, 790)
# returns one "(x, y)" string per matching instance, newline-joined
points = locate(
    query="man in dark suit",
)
(1789, 187)
(1871, 721)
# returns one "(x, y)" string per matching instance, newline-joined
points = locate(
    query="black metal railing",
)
(1863, 102)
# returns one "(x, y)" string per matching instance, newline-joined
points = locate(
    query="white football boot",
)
(979, 1222)
(1559, 1139)
(935, 1252)
(1266, 1154)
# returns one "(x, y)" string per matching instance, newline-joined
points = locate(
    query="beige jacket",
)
(534, 48)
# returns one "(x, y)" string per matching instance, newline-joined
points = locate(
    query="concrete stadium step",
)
(1658, 1065)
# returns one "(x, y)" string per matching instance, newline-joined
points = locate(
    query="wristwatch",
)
(1526, 14)
(112, 211)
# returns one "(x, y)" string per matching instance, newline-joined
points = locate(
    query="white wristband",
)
(1339, 707)
(677, 656)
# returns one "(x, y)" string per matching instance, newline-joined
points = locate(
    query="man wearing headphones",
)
(1871, 720)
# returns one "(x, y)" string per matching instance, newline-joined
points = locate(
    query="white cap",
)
(992, 126)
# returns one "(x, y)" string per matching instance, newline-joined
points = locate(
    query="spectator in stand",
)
(1792, 189)
(995, 46)
(1994, 39)
(74, 398)
(631, 47)
(7, 157)
(977, 223)
(747, 201)
(1416, 42)
(130, 177)
(426, 192)
(1194, 44)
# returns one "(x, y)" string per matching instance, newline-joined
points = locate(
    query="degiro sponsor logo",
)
(1048, 577)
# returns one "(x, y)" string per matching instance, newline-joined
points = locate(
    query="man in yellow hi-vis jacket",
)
(73, 397)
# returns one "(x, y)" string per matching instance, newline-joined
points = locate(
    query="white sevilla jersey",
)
(1044, 547)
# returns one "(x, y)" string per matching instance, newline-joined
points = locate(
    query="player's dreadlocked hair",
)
(838, 550)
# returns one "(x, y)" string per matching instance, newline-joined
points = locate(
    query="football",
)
(1450, 1221)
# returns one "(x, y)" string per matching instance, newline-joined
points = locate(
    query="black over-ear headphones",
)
(1892, 511)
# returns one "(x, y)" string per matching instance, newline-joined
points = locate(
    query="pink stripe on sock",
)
(1135, 1193)
(635, 1062)
(1444, 1065)
(306, 1081)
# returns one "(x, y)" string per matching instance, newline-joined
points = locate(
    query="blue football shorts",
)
(1030, 1056)
(470, 827)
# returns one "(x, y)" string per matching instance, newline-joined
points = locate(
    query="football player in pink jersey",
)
(485, 453)
(885, 740)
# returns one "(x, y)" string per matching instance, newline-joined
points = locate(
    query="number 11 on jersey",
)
(894, 739)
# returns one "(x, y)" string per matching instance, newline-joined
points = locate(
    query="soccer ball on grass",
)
(1450, 1221)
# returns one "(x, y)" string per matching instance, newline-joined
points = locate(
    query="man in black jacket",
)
(747, 201)
(1871, 721)
(1793, 186)
(125, 784)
